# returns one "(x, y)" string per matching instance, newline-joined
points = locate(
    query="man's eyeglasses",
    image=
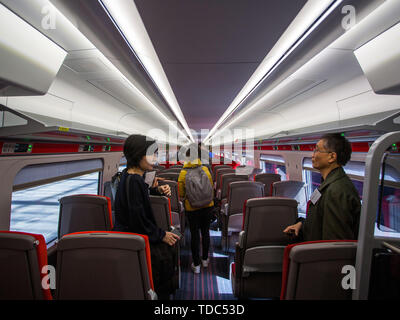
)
(317, 150)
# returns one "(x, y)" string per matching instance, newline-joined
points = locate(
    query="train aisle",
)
(213, 282)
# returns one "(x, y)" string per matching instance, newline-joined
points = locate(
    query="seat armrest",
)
(241, 239)
(263, 259)
(238, 259)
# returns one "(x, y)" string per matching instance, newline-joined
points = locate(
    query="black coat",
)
(139, 217)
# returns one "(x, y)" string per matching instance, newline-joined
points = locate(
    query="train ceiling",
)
(281, 68)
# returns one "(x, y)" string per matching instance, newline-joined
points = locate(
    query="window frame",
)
(72, 165)
(27, 186)
(360, 178)
(40, 182)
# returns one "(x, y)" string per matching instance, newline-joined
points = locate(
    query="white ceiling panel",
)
(87, 65)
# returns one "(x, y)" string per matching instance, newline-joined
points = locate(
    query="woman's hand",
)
(170, 238)
(155, 182)
(293, 229)
(165, 190)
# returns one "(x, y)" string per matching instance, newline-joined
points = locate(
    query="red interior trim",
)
(55, 148)
(41, 251)
(360, 146)
(170, 211)
(307, 147)
(109, 211)
(147, 248)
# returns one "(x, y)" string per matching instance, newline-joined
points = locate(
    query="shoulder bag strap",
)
(127, 190)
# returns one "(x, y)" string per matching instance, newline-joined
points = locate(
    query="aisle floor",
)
(213, 283)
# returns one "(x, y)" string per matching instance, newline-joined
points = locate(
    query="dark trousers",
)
(163, 267)
(199, 222)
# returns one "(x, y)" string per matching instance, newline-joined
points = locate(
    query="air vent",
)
(118, 90)
(293, 89)
(86, 65)
(8, 119)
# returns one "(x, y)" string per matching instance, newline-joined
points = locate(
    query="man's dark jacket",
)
(336, 214)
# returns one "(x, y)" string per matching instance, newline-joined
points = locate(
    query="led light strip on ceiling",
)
(126, 18)
(70, 26)
(383, 20)
(314, 13)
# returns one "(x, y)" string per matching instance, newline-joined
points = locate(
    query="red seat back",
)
(22, 259)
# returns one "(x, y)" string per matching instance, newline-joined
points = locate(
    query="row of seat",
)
(172, 173)
(260, 210)
(90, 265)
(238, 190)
(79, 214)
(273, 184)
(84, 212)
(114, 265)
(264, 255)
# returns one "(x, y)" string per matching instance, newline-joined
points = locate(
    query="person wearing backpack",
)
(195, 186)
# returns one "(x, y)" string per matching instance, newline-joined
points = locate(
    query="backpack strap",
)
(127, 190)
(115, 180)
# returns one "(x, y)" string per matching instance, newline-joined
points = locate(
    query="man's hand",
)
(293, 229)
(170, 238)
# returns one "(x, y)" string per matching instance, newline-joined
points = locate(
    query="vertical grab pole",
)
(366, 239)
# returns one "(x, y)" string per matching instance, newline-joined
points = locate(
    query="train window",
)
(162, 156)
(36, 209)
(247, 159)
(236, 157)
(173, 155)
(37, 189)
(273, 164)
(312, 180)
(354, 169)
(388, 215)
(122, 164)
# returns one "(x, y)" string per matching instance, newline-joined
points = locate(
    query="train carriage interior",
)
(258, 83)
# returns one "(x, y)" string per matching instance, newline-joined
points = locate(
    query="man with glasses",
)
(334, 207)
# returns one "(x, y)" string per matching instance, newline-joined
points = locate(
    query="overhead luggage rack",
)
(27, 133)
(361, 132)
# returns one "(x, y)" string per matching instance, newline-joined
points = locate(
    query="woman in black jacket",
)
(133, 212)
